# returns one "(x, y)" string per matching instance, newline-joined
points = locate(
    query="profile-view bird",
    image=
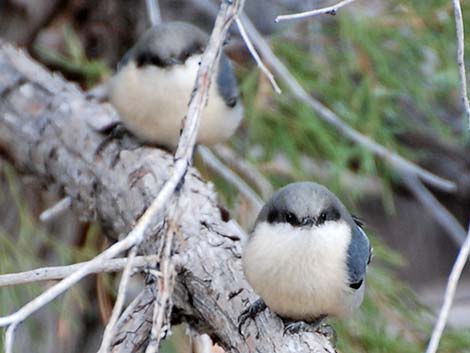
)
(153, 85)
(306, 257)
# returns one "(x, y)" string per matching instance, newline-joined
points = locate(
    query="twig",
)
(130, 308)
(249, 171)
(460, 57)
(10, 338)
(59, 272)
(153, 10)
(452, 282)
(121, 297)
(280, 164)
(69, 281)
(330, 10)
(165, 287)
(214, 163)
(440, 213)
(399, 163)
(255, 56)
(56, 210)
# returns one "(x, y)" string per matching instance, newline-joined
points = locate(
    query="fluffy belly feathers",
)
(299, 274)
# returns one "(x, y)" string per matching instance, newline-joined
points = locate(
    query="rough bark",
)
(48, 128)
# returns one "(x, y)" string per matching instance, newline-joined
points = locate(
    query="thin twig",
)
(254, 54)
(56, 210)
(165, 285)
(249, 171)
(153, 10)
(215, 164)
(452, 282)
(324, 171)
(330, 10)
(69, 281)
(460, 57)
(121, 297)
(59, 272)
(130, 309)
(10, 338)
(440, 213)
(399, 163)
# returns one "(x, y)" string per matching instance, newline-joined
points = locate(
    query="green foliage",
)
(73, 62)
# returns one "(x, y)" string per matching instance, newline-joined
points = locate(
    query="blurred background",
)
(388, 69)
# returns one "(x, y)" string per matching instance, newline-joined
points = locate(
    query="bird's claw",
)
(329, 332)
(293, 327)
(250, 313)
(116, 131)
(297, 326)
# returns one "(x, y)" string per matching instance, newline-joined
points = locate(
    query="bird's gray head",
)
(167, 44)
(172, 43)
(304, 204)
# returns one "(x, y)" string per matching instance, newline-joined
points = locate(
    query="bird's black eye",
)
(330, 214)
(292, 219)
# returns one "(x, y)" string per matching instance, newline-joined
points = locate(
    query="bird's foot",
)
(329, 332)
(293, 327)
(116, 131)
(250, 313)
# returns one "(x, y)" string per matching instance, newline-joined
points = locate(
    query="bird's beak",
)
(307, 222)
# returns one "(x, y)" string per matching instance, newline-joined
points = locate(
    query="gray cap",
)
(172, 43)
(303, 202)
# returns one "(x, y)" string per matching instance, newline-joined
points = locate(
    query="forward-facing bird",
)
(306, 257)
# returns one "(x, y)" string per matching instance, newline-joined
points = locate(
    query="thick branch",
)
(57, 128)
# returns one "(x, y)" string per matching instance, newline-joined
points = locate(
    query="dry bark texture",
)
(48, 128)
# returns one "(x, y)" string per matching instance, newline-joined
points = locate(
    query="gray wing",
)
(226, 81)
(125, 59)
(359, 253)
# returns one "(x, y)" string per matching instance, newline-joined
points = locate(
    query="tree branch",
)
(439, 212)
(249, 171)
(214, 163)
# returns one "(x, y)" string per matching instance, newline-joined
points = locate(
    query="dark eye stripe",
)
(276, 216)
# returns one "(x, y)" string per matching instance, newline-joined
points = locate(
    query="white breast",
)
(301, 274)
(153, 101)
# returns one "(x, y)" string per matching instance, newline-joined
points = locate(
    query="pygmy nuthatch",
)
(153, 85)
(307, 256)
